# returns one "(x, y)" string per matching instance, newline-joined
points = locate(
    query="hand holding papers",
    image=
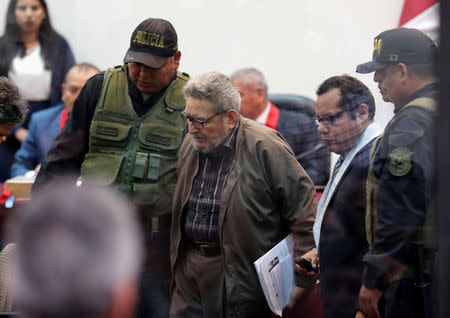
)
(276, 274)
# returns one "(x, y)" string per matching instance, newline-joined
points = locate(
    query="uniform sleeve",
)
(404, 168)
(67, 152)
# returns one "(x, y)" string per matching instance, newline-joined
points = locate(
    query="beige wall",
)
(296, 43)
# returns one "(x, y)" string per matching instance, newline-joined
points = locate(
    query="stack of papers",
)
(276, 274)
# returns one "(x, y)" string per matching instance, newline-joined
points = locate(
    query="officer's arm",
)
(67, 152)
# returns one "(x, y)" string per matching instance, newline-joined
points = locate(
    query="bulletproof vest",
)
(137, 154)
(426, 235)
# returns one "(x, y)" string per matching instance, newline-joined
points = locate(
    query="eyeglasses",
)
(199, 123)
(328, 119)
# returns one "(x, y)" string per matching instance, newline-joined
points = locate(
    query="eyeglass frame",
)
(328, 120)
(199, 121)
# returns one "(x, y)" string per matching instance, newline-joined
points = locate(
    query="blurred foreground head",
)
(78, 254)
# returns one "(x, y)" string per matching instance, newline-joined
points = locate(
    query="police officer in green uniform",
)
(398, 272)
(124, 131)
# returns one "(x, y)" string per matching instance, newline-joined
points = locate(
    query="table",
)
(6, 213)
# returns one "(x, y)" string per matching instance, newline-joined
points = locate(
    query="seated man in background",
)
(76, 255)
(345, 111)
(45, 124)
(13, 108)
(296, 127)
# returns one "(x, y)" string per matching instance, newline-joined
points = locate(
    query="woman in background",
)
(37, 59)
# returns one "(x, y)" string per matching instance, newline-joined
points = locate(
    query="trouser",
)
(198, 289)
(404, 299)
(153, 297)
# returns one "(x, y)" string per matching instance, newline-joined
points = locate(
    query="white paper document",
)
(276, 274)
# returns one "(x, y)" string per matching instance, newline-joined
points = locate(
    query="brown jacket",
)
(266, 195)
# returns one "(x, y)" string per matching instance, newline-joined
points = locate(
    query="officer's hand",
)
(368, 301)
(359, 315)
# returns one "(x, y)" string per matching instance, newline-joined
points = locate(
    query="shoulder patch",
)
(183, 75)
(400, 161)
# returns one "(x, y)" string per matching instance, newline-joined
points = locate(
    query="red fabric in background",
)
(310, 307)
(411, 8)
(272, 119)
(64, 115)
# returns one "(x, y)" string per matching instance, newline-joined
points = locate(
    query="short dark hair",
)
(423, 70)
(13, 108)
(353, 94)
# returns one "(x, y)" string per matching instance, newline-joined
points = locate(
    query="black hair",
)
(13, 108)
(423, 70)
(353, 94)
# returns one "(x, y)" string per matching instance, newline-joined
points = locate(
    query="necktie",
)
(63, 118)
(337, 166)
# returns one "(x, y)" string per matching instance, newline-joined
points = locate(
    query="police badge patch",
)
(400, 161)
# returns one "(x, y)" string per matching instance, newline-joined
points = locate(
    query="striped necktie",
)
(337, 166)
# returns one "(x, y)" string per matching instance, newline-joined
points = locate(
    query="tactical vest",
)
(138, 154)
(425, 239)
(372, 185)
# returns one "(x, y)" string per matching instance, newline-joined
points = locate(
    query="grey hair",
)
(250, 76)
(74, 247)
(82, 68)
(13, 108)
(216, 88)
